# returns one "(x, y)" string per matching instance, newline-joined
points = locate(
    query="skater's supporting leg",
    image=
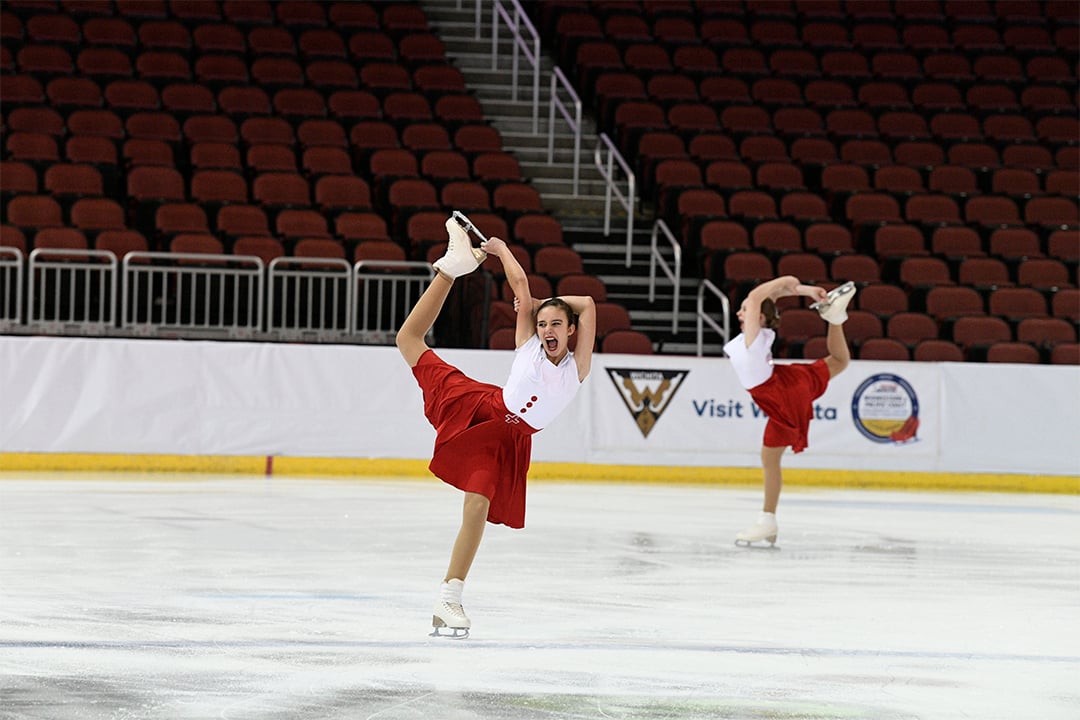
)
(839, 352)
(770, 465)
(473, 520)
(410, 338)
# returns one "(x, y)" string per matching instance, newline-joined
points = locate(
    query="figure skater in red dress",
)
(483, 432)
(786, 393)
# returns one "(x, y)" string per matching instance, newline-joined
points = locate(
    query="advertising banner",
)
(94, 395)
(682, 410)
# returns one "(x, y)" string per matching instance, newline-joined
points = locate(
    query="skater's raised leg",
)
(839, 353)
(410, 337)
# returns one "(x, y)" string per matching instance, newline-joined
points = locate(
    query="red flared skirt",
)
(788, 399)
(480, 447)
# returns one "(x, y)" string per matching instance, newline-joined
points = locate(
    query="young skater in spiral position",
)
(483, 432)
(786, 393)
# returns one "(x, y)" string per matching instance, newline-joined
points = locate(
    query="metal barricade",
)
(71, 290)
(11, 287)
(674, 273)
(703, 318)
(386, 291)
(309, 299)
(192, 294)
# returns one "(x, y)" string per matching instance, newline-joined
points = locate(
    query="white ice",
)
(192, 597)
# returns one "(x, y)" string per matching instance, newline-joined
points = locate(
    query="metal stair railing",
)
(703, 318)
(673, 272)
(606, 163)
(558, 79)
(517, 22)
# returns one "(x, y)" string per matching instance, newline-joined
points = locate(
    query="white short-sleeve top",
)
(753, 365)
(538, 390)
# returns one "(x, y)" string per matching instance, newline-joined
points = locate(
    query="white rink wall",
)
(93, 395)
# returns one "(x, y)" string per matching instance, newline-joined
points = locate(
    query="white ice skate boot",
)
(834, 308)
(448, 612)
(461, 257)
(763, 529)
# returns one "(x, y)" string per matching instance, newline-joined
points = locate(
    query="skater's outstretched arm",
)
(519, 284)
(585, 308)
(784, 286)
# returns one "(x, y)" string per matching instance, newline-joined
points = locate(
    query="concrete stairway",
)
(581, 213)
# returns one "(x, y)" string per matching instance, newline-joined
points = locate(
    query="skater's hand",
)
(493, 246)
(535, 304)
(817, 294)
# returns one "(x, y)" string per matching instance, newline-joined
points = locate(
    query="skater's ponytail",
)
(771, 313)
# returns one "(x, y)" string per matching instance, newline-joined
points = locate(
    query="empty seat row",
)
(768, 25)
(805, 106)
(937, 350)
(121, 41)
(946, 127)
(1004, 12)
(813, 153)
(60, 21)
(223, 87)
(803, 65)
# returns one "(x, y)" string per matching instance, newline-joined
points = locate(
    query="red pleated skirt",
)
(480, 447)
(788, 399)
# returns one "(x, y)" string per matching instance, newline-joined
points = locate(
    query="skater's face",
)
(741, 315)
(554, 330)
(769, 317)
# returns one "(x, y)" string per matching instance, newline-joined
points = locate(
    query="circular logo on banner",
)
(886, 410)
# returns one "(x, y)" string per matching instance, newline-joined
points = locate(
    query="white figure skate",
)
(448, 614)
(461, 257)
(764, 529)
(834, 308)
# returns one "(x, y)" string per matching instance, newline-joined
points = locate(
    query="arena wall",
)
(222, 406)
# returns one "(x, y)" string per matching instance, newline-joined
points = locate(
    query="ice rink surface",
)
(202, 597)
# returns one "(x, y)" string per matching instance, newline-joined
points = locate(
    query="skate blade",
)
(771, 540)
(838, 292)
(449, 632)
(467, 224)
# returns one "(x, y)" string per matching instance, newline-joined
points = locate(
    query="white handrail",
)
(606, 166)
(11, 266)
(559, 79)
(531, 50)
(69, 264)
(478, 16)
(403, 280)
(673, 274)
(139, 267)
(325, 270)
(703, 317)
